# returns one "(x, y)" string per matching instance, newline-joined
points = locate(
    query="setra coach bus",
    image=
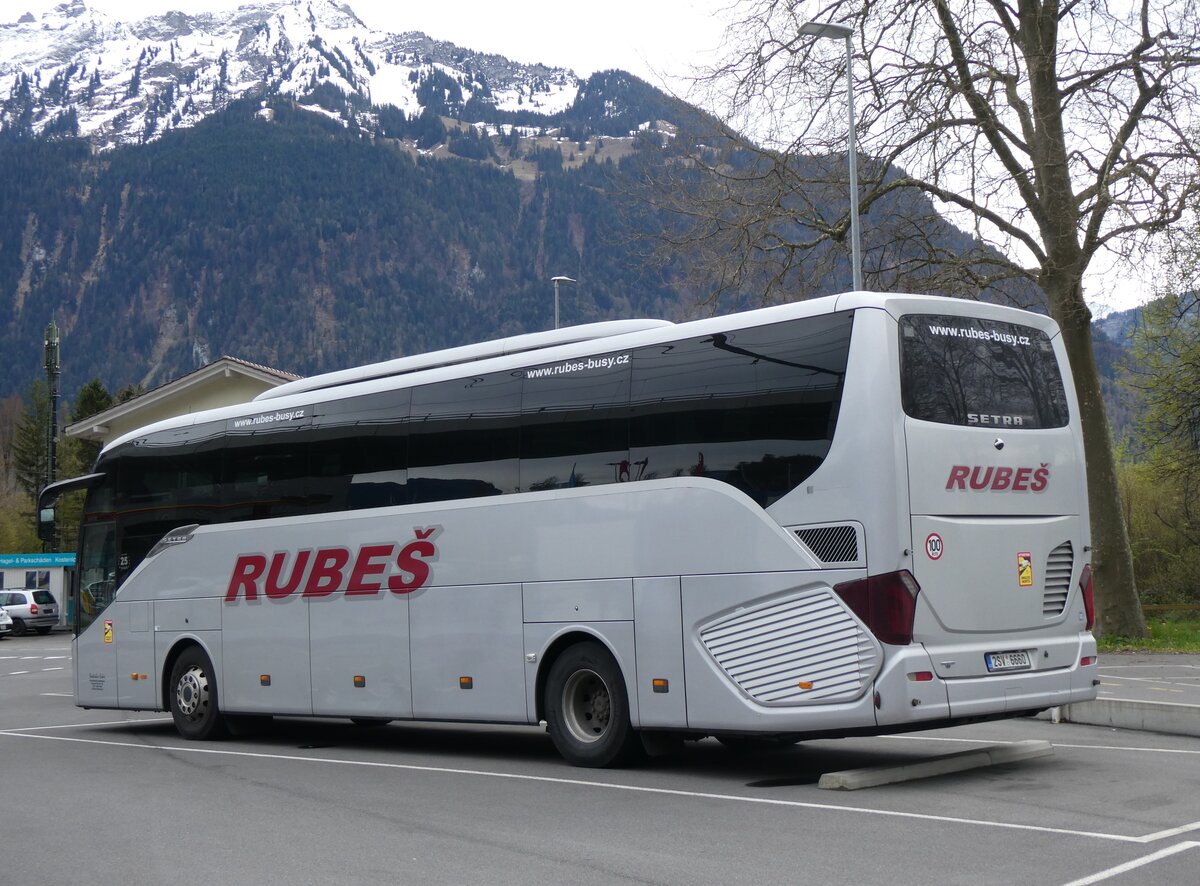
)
(855, 515)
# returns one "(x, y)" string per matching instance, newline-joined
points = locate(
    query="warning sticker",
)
(107, 631)
(1025, 569)
(933, 546)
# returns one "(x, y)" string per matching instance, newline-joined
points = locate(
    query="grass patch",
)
(1166, 635)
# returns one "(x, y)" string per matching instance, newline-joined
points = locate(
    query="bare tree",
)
(1057, 131)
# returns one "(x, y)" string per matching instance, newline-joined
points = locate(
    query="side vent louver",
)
(1057, 587)
(833, 544)
(803, 650)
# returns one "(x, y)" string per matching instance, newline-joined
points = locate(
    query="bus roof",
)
(562, 344)
(464, 354)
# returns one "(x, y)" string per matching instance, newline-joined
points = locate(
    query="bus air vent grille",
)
(1058, 580)
(803, 650)
(837, 543)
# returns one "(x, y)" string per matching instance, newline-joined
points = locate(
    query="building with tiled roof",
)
(224, 382)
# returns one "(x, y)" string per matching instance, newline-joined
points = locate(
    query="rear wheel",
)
(587, 708)
(193, 697)
(42, 631)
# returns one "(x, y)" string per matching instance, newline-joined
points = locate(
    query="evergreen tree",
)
(30, 457)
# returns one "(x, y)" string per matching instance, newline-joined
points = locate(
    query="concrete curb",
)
(993, 755)
(1124, 713)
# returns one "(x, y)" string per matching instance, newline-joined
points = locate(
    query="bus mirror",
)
(46, 525)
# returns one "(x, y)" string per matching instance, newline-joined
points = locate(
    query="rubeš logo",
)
(320, 572)
(999, 479)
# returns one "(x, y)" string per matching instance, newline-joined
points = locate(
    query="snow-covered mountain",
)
(75, 70)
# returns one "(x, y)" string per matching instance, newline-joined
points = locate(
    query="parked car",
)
(35, 609)
(6, 623)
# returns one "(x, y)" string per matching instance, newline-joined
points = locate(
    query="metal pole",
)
(831, 31)
(556, 281)
(855, 247)
(53, 371)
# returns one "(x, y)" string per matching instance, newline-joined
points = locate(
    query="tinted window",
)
(976, 372)
(574, 423)
(755, 408)
(463, 436)
(361, 455)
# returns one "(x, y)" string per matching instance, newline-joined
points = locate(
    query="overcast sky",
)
(659, 40)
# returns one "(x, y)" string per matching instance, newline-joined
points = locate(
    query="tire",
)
(587, 708)
(192, 695)
(43, 631)
(18, 627)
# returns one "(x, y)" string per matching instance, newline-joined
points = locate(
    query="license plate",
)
(1007, 661)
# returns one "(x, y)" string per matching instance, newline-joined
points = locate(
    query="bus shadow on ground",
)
(757, 766)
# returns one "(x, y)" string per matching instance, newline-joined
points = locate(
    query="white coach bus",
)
(855, 515)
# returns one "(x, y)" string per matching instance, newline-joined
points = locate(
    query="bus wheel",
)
(193, 697)
(587, 709)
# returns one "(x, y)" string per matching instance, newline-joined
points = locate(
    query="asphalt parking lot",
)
(117, 797)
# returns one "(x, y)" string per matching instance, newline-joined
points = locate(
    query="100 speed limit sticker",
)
(933, 546)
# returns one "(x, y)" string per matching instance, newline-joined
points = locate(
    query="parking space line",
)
(1135, 864)
(584, 783)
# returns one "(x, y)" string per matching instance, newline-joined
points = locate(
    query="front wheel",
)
(587, 708)
(193, 697)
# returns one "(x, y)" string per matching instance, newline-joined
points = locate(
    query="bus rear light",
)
(886, 604)
(1089, 599)
(1087, 660)
(921, 677)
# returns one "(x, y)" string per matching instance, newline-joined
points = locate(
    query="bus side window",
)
(754, 408)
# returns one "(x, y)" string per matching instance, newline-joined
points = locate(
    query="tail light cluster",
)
(886, 604)
(32, 608)
(1089, 598)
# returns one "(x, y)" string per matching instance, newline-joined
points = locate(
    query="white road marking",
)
(1135, 864)
(601, 785)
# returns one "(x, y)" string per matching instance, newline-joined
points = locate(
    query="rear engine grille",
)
(804, 650)
(1057, 586)
(831, 544)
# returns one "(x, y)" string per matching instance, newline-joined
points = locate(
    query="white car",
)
(6, 624)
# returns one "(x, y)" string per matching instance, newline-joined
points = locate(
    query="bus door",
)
(94, 650)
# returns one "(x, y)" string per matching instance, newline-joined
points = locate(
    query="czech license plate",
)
(1007, 661)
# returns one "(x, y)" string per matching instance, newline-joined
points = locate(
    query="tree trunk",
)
(1118, 610)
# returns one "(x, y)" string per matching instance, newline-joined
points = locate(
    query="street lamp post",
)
(556, 281)
(834, 32)
(53, 372)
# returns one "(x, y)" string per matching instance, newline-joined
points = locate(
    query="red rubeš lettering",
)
(999, 479)
(322, 572)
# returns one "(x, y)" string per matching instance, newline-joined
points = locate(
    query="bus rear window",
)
(980, 373)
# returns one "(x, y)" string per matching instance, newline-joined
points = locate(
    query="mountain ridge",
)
(81, 72)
